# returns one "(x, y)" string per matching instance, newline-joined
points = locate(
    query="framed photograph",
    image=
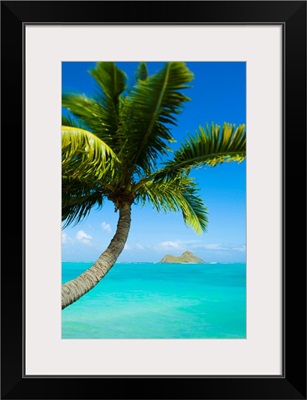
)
(124, 125)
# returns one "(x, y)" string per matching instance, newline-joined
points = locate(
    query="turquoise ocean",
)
(159, 301)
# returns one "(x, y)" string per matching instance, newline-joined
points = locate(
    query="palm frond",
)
(101, 114)
(151, 105)
(210, 146)
(179, 194)
(85, 156)
(142, 72)
(68, 120)
(78, 198)
(112, 81)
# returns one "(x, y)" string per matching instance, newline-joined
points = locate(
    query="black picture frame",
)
(292, 16)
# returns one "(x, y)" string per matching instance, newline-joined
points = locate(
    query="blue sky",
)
(218, 94)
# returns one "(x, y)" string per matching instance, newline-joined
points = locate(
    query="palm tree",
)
(113, 146)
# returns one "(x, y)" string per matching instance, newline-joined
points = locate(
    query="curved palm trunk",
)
(74, 289)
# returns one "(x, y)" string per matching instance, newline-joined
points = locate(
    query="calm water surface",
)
(166, 301)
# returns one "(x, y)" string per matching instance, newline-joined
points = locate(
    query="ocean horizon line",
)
(158, 262)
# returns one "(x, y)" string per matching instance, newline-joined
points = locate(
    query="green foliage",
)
(100, 115)
(142, 72)
(111, 80)
(78, 198)
(211, 146)
(85, 156)
(177, 194)
(112, 143)
(152, 105)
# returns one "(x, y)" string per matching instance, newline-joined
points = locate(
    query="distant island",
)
(186, 258)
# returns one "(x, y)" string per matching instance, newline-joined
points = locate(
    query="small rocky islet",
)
(186, 258)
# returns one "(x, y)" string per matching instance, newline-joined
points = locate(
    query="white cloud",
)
(169, 245)
(224, 247)
(183, 245)
(106, 227)
(241, 247)
(136, 246)
(180, 245)
(213, 246)
(65, 238)
(83, 237)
